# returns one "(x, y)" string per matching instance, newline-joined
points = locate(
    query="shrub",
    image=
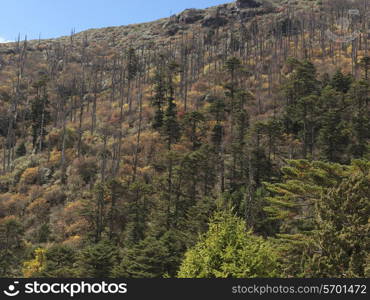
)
(87, 169)
(30, 176)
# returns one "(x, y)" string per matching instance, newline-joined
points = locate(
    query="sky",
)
(55, 18)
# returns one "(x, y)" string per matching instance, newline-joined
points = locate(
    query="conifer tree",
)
(341, 235)
(229, 250)
(301, 90)
(334, 133)
(98, 260)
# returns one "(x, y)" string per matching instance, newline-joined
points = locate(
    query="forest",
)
(230, 142)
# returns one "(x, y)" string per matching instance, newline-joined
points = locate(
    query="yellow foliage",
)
(73, 241)
(37, 206)
(207, 68)
(73, 207)
(30, 175)
(80, 226)
(55, 157)
(34, 266)
(12, 204)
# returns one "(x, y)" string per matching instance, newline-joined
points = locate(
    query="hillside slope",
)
(122, 144)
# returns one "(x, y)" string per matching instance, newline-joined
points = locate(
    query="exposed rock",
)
(248, 3)
(214, 19)
(171, 27)
(190, 16)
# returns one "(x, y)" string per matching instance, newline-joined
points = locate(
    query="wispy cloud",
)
(3, 40)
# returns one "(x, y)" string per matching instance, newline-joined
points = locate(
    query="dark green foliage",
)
(171, 126)
(365, 65)
(98, 260)
(341, 82)
(44, 233)
(11, 246)
(302, 90)
(334, 135)
(194, 131)
(132, 63)
(159, 98)
(323, 213)
(341, 236)
(137, 210)
(21, 150)
(147, 259)
(60, 262)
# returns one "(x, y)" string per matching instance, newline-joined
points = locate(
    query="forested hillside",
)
(226, 142)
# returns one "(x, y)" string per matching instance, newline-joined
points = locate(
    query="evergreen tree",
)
(334, 134)
(158, 100)
(308, 205)
(194, 128)
(301, 90)
(150, 258)
(60, 262)
(171, 126)
(228, 250)
(341, 236)
(137, 209)
(365, 65)
(11, 245)
(341, 82)
(98, 260)
(360, 111)
(144, 260)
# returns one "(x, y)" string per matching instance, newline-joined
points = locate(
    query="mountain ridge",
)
(182, 22)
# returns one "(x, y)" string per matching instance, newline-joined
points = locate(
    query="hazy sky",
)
(54, 18)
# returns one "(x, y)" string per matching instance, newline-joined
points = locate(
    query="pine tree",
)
(59, 262)
(158, 100)
(194, 128)
(171, 126)
(229, 250)
(341, 82)
(334, 134)
(147, 259)
(365, 65)
(301, 90)
(310, 205)
(144, 260)
(341, 236)
(360, 111)
(97, 261)
(11, 245)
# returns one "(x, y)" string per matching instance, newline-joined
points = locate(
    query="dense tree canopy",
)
(232, 143)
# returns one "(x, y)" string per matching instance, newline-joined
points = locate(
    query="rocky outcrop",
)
(214, 21)
(190, 16)
(248, 3)
(216, 17)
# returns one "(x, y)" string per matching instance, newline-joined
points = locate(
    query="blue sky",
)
(54, 18)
